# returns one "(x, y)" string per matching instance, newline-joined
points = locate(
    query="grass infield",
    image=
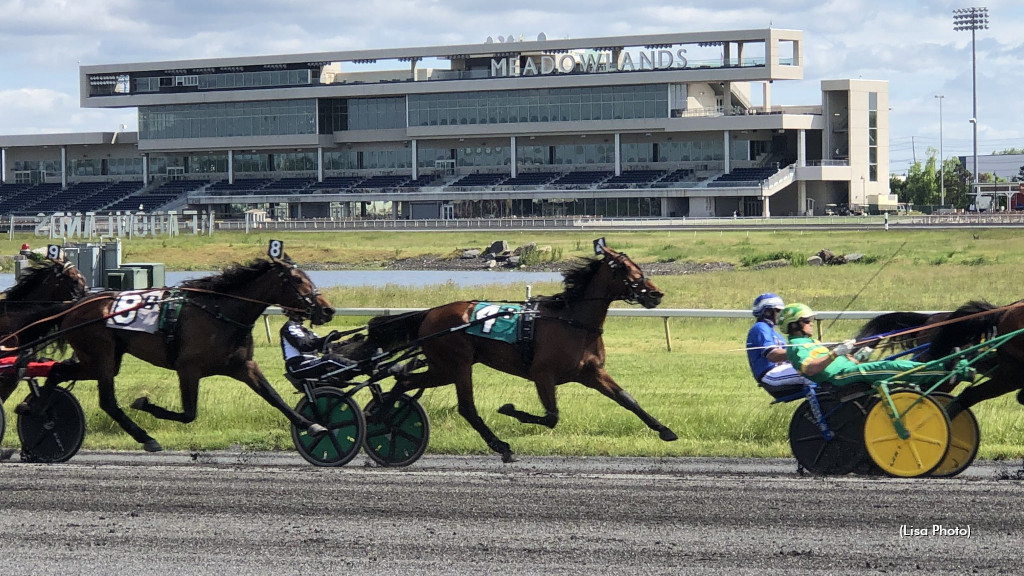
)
(701, 389)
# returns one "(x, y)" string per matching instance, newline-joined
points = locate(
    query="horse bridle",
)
(636, 286)
(284, 270)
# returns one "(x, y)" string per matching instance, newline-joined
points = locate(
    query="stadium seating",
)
(742, 177)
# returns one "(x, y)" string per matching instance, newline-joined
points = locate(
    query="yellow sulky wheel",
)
(925, 447)
(965, 437)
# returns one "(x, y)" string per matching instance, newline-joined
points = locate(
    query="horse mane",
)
(577, 278)
(963, 331)
(232, 277)
(29, 280)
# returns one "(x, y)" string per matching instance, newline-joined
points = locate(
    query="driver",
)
(302, 350)
(766, 350)
(837, 366)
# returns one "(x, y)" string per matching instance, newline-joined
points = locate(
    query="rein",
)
(944, 322)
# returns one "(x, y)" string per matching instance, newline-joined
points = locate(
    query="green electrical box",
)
(127, 279)
(156, 272)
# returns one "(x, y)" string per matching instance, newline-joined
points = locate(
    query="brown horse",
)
(567, 344)
(39, 292)
(212, 336)
(966, 326)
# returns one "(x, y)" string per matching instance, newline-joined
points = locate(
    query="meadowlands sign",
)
(118, 224)
(589, 62)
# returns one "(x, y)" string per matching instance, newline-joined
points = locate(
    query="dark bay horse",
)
(966, 326)
(567, 344)
(212, 336)
(39, 292)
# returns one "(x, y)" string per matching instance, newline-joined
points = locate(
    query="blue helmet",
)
(766, 302)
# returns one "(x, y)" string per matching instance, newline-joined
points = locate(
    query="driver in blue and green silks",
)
(838, 366)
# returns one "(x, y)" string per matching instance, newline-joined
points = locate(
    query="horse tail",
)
(892, 323)
(389, 332)
(967, 326)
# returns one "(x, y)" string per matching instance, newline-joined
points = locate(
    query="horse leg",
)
(546, 392)
(188, 384)
(250, 373)
(601, 381)
(462, 376)
(108, 402)
(1002, 380)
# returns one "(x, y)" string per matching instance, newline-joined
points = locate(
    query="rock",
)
(496, 248)
(473, 253)
(491, 264)
(781, 263)
(513, 260)
(815, 261)
(519, 250)
(853, 257)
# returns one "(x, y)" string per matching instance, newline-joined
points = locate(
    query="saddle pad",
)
(495, 321)
(137, 310)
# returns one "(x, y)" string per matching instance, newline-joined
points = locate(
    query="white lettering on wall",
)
(589, 62)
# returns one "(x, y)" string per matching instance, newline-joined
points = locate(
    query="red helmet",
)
(25, 246)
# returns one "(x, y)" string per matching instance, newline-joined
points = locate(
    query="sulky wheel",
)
(340, 414)
(397, 430)
(52, 427)
(840, 455)
(927, 427)
(965, 437)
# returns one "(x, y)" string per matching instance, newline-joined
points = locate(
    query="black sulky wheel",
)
(3, 422)
(52, 428)
(346, 429)
(397, 430)
(840, 455)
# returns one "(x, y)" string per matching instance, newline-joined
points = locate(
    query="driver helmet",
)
(766, 302)
(794, 313)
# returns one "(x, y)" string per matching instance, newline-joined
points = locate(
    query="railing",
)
(665, 314)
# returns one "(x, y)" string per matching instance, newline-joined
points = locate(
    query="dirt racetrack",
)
(252, 513)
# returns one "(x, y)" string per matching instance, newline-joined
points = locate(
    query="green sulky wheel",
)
(346, 428)
(52, 428)
(397, 430)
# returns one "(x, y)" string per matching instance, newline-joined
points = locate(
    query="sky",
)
(909, 43)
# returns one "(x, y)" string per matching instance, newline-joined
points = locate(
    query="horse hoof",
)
(316, 430)
(140, 403)
(668, 435)
(507, 409)
(152, 446)
(507, 458)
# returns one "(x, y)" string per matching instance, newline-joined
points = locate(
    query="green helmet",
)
(792, 313)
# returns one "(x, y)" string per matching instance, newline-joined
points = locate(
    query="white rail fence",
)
(665, 314)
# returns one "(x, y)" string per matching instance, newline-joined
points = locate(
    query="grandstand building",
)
(664, 125)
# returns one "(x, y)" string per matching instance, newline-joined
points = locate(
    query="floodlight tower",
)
(972, 19)
(942, 181)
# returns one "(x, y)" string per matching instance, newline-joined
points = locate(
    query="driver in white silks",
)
(302, 349)
(766, 350)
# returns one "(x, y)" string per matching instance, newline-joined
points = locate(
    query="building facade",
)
(665, 125)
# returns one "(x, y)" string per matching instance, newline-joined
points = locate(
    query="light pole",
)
(972, 19)
(942, 181)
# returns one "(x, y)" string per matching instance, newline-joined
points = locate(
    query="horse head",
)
(52, 280)
(629, 282)
(303, 295)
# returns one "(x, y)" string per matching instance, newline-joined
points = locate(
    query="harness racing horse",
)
(567, 345)
(966, 326)
(40, 291)
(213, 336)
